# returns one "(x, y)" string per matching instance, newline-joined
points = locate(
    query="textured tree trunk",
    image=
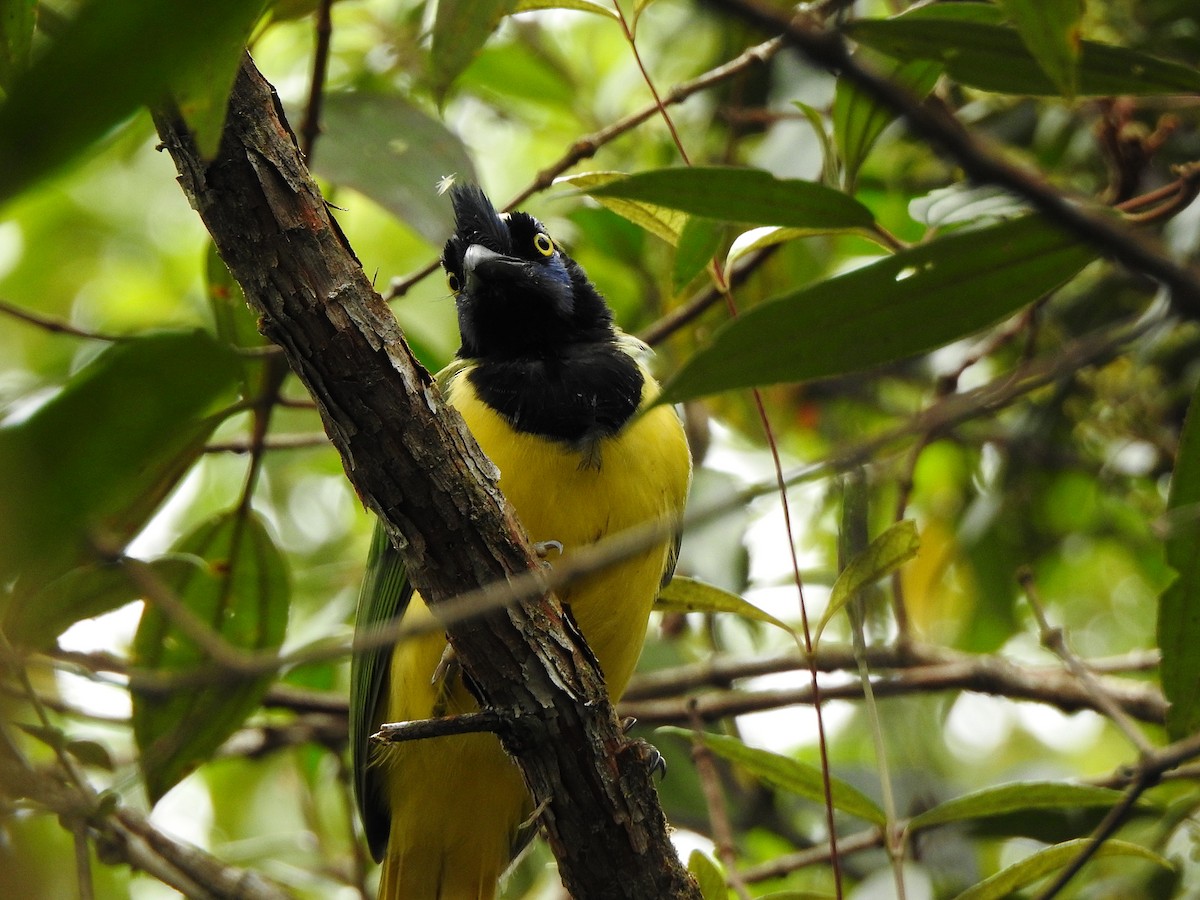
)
(414, 465)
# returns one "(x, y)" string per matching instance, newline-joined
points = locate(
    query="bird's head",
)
(516, 291)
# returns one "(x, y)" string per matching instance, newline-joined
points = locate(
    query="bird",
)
(563, 404)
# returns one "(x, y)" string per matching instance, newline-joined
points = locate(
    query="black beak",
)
(481, 266)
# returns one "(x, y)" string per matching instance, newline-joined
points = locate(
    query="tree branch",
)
(1096, 227)
(982, 674)
(415, 465)
(120, 834)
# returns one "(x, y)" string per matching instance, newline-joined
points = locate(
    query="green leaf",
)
(242, 595)
(460, 28)
(786, 774)
(394, 153)
(698, 243)
(202, 90)
(1179, 605)
(657, 219)
(515, 75)
(235, 324)
(897, 307)
(590, 6)
(957, 203)
(731, 194)
(883, 556)
(113, 57)
(829, 156)
(685, 595)
(91, 753)
(757, 238)
(51, 737)
(98, 457)
(17, 18)
(858, 119)
(1018, 796)
(994, 58)
(1038, 865)
(82, 593)
(639, 7)
(708, 875)
(1050, 31)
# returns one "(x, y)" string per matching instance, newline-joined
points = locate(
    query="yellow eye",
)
(543, 244)
(452, 282)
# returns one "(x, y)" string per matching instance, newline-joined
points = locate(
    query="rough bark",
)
(415, 465)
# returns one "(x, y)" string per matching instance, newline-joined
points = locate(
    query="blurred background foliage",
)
(153, 454)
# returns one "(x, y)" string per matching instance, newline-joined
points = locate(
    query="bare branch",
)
(984, 675)
(55, 325)
(1054, 639)
(120, 834)
(486, 720)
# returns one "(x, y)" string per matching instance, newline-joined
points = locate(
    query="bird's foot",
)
(650, 754)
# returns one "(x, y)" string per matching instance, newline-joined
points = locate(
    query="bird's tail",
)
(420, 877)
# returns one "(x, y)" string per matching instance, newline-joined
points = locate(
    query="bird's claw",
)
(651, 754)
(444, 675)
(653, 757)
(543, 548)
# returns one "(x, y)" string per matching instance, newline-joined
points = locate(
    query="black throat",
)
(579, 394)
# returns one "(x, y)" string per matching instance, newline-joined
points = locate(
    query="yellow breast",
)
(640, 475)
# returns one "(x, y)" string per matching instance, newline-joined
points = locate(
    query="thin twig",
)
(1054, 639)
(660, 330)
(718, 814)
(56, 325)
(68, 765)
(721, 671)
(280, 442)
(1186, 182)
(310, 126)
(120, 833)
(983, 675)
(658, 102)
(83, 862)
(224, 655)
(870, 839)
(1111, 822)
(853, 539)
(655, 698)
(485, 721)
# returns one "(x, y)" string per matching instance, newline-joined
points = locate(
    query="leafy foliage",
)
(179, 546)
(901, 305)
(239, 595)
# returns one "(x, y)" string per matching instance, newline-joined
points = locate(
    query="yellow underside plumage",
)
(457, 802)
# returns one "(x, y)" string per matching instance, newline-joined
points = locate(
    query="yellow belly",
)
(457, 802)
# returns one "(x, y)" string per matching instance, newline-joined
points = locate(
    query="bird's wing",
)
(672, 559)
(383, 597)
(644, 353)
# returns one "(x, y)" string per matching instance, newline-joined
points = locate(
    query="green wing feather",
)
(383, 597)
